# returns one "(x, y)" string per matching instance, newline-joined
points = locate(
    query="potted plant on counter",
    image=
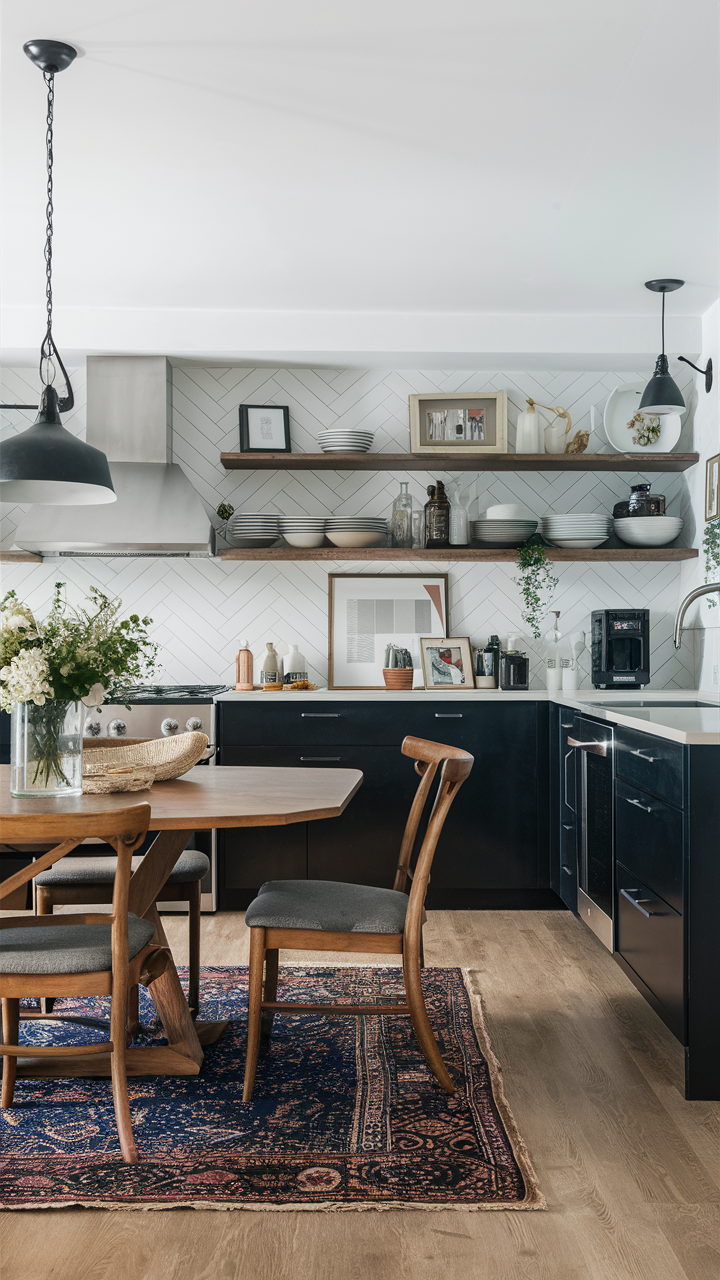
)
(52, 672)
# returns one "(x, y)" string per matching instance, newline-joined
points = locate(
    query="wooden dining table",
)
(206, 798)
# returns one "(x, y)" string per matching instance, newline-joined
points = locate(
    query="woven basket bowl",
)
(171, 757)
(398, 677)
(102, 780)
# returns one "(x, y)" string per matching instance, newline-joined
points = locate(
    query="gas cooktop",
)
(169, 693)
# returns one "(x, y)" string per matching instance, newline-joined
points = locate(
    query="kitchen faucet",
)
(684, 606)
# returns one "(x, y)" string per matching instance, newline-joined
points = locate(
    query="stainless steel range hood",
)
(157, 513)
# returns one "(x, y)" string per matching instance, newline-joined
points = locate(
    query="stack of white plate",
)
(249, 529)
(345, 440)
(500, 532)
(303, 531)
(579, 529)
(648, 531)
(356, 531)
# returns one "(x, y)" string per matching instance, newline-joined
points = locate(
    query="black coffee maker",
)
(620, 648)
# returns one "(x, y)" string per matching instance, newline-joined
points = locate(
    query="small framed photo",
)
(264, 428)
(447, 664)
(712, 507)
(473, 423)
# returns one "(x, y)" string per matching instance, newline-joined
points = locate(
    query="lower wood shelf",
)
(19, 557)
(616, 554)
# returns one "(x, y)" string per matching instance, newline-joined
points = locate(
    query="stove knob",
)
(93, 728)
(193, 724)
(169, 727)
(117, 728)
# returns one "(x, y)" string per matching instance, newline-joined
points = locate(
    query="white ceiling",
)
(398, 157)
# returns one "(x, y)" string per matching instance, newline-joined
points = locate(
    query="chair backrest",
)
(124, 829)
(454, 765)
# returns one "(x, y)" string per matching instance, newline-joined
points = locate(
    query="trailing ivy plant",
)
(536, 583)
(711, 547)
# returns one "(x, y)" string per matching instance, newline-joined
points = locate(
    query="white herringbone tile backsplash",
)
(202, 609)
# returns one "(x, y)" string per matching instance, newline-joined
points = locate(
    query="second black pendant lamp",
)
(662, 394)
(46, 463)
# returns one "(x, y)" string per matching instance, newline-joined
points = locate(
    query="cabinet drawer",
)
(362, 723)
(654, 764)
(649, 937)
(649, 841)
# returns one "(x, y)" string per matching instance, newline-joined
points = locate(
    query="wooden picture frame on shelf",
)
(264, 428)
(368, 611)
(474, 423)
(447, 663)
(712, 487)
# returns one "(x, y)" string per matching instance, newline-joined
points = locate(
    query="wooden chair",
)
(78, 955)
(323, 915)
(90, 879)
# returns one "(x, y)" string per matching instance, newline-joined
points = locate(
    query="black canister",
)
(640, 503)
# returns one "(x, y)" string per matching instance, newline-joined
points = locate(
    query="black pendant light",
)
(46, 463)
(662, 394)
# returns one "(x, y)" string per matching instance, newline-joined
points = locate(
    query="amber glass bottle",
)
(437, 517)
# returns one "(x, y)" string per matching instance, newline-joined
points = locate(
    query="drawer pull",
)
(568, 826)
(448, 715)
(636, 902)
(319, 715)
(643, 756)
(638, 805)
(321, 757)
(568, 871)
(565, 726)
(597, 748)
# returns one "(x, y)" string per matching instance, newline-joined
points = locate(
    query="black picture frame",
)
(248, 426)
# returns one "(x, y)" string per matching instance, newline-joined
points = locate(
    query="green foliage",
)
(711, 548)
(536, 583)
(225, 510)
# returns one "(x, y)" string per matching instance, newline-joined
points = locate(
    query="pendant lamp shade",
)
(662, 394)
(47, 464)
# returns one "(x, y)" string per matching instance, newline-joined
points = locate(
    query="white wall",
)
(201, 609)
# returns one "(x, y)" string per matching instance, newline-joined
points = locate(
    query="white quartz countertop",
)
(687, 725)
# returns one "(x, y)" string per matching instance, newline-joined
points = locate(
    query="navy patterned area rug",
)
(346, 1114)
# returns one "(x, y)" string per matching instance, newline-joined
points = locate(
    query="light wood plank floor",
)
(629, 1169)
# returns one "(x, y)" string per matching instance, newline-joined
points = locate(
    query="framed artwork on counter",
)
(264, 428)
(446, 423)
(447, 664)
(369, 611)
(712, 506)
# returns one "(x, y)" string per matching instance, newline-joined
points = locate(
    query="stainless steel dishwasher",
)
(593, 743)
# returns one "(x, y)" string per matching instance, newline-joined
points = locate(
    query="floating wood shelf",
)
(19, 557)
(458, 462)
(611, 554)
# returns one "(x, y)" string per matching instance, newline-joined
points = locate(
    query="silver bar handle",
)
(319, 715)
(448, 715)
(568, 871)
(597, 748)
(638, 805)
(651, 759)
(565, 795)
(321, 757)
(636, 903)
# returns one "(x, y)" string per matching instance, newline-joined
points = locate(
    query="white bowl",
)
(507, 511)
(585, 543)
(356, 537)
(304, 539)
(648, 531)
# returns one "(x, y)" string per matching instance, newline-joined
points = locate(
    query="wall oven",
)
(593, 744)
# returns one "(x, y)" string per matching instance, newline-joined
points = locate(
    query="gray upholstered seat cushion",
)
(67, 948)
(191, 865)
(327, 905)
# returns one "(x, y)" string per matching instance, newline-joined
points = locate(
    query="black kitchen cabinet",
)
(650, 941)
(563, 808)
(493, 851)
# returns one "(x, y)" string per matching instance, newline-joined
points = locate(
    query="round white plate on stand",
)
(620, 406)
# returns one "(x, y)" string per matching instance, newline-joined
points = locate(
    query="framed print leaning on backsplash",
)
(446, 423)
(369, 611)
(712, 505)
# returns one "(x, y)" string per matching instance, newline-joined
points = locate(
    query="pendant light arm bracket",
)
(707, 371)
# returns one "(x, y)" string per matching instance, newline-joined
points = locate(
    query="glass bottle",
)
(458, 520)
(401, 518)
(437, 517)
(270, 670)
(553, 668)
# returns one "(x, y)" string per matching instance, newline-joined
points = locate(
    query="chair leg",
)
(133, 1011)
(421, 1022)
(270, 988)
(118, 1069)
(11, 1030)
(194, 947)
(44, 907)
(255, 987)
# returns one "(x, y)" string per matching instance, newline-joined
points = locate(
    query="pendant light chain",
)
(46, 349)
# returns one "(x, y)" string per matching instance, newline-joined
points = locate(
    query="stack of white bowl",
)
(580, 529)
(356, 531)
(303, 531)
(345, 440)
(250, 529)
(648, 531)
(504, 525)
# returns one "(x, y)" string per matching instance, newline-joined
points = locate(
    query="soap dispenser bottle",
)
(270, 670)
(553, 668)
